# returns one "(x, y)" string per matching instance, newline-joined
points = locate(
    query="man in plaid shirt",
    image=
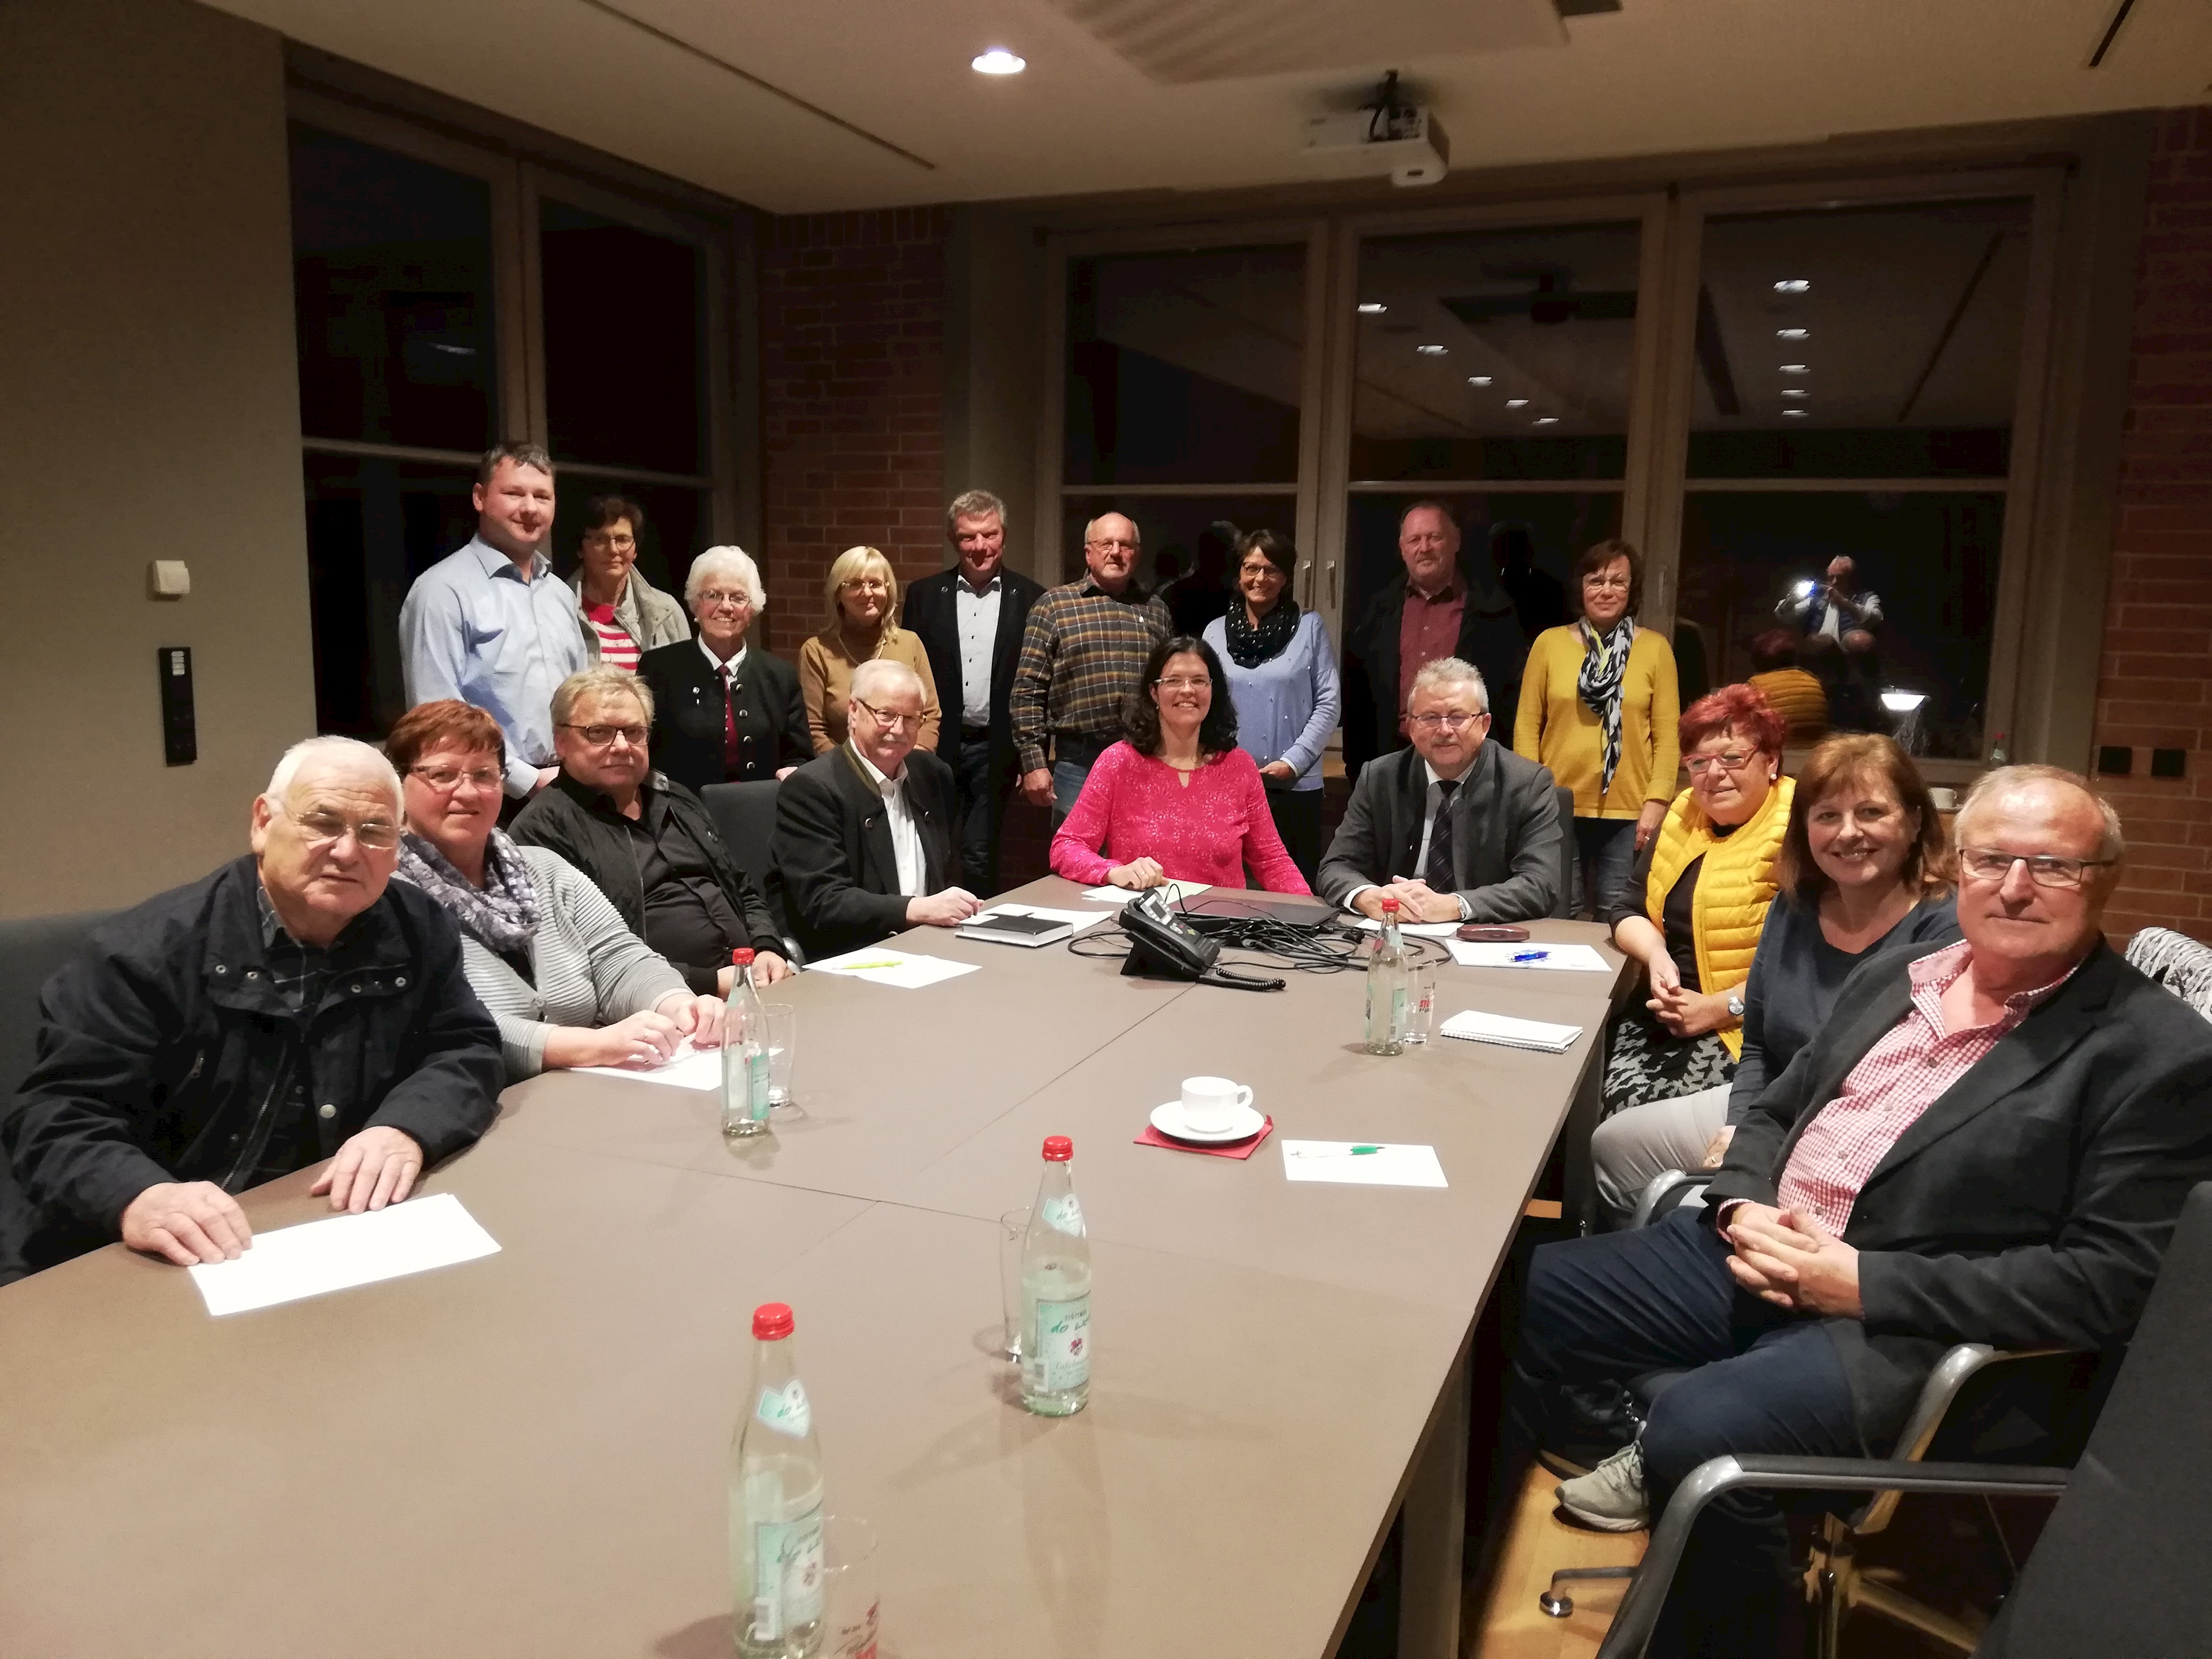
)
(1082, 655)
(1989, 1142)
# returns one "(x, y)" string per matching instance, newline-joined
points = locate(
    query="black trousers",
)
(1758, 1379)
(982, 811)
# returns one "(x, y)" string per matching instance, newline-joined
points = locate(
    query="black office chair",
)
(31, 948)
(2116, 1570)
(744, 814)
(1569, 858)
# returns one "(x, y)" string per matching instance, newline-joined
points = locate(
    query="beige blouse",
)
(825, 680)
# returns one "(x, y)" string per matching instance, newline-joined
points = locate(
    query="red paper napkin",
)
(1152, 1137)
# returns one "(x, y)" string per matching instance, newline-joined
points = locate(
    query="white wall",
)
(150, 409)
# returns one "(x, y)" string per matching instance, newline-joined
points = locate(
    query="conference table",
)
(526, 1454)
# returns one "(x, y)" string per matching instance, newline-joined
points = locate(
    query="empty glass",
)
(848, 1589)
(782, 1020)
(1421, 1003)
(1014, 1228)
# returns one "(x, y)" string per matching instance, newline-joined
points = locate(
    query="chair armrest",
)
(1663, 1186)
(1647, 1592)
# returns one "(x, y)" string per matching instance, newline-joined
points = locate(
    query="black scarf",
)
(1250, 647)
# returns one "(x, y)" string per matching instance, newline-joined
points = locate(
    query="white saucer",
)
(1247, 1122)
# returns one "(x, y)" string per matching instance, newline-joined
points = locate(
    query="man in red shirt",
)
(1989, 1142)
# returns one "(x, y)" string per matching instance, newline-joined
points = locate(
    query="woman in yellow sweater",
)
(1598, 706)
(863, 625)
(1696, 902)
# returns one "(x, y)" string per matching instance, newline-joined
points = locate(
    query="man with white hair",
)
(864, 846)
(296, 1006)
(1456, 829)
(1989, 1141)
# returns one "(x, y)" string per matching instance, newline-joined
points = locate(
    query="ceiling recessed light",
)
(1796, 414)
(1478, 379)
(1372, 307)
(1545, 420)
(1516, 402)
(1795, 391)
(1793, 285)
(998, 60)
(1794, 368)
(1432, 350)
(1793, 333)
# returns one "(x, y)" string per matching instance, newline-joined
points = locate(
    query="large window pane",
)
(392, 278)
(1859, 343)
(1185, 368)
(625, 342)
(1493, 525)
(1931, 559)
(373, 526)
(1173, 529)
(1495, 355)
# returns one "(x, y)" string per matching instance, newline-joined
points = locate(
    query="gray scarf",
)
(501, 915)
(1605, 662)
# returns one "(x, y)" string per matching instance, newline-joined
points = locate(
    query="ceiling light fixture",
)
(1795, 391)
(1478, 380)
(1793, 333)
(1516, 402)
(1432, 350)
(1794, 368)
(1796, 414)
(1545, 420)
(999, 61)
(1372, 307)
(1793, 285)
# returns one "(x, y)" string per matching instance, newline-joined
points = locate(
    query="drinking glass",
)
(848, 1589)
(1420, 1002)
(1013, 1229)
(782, 1020)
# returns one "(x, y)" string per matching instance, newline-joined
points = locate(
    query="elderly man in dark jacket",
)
(296, 1006)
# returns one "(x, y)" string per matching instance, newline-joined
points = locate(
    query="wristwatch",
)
(1735, 1004)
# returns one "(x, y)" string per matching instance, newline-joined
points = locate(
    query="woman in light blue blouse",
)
(1282, 678)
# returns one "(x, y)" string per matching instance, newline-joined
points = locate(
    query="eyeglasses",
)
(1615, 584)
(1186, 683)
(1734, 760)
(1108, 544)
(1451, 722)
(447, 777)
(2043, 869)
(321, 828)
(709, 597)
(867, 585)
(600, 736)
(600, 538)
(895, 722)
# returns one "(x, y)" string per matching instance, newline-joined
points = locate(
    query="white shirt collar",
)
(998, 579)
(716, 663)
(881, 779)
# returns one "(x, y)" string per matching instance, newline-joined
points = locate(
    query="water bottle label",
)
(1064, 1215)
(757, 1101)
(1064, 1344)
(785, 1410)
(787, 1575)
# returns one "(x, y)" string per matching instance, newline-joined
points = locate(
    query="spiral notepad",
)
(1474, 1027)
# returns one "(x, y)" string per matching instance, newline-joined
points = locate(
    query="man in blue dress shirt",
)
(491, 625)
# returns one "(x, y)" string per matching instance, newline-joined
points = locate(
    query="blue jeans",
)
(1755, 1379)
(1073, 759)
(1606, 853)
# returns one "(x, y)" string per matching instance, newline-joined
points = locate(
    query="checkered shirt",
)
(1082, 656)
(1901, 1077)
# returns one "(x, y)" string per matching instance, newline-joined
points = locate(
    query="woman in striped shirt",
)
(624, 616)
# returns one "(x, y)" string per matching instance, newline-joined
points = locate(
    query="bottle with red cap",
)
(1389, 976)
(775, 1503)
(745, 1054)
(1056, 1292)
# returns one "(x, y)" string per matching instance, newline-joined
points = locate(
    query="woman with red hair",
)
(1695, 902)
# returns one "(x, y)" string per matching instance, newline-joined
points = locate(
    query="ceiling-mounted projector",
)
(1385, 135)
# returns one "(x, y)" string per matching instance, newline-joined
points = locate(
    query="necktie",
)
(1438, 870)
(733, 762)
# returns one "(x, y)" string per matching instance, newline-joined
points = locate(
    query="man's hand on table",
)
(1789, 1258)
(186, 1221)
(1419, 901)
(947, 909)
(377, 1167)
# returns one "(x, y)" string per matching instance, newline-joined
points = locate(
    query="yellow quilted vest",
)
(1733, 889)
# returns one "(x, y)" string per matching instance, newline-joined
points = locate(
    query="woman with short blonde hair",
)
(861, 593)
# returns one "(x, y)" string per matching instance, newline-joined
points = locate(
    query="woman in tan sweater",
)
(1599, 705)
(863, 625)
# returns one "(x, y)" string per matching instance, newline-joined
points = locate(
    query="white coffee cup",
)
(1210, 1103)
(1947, 800)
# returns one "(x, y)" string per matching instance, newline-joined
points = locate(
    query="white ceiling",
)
(1657, 76)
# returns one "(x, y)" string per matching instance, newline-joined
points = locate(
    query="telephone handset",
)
(1162, 942)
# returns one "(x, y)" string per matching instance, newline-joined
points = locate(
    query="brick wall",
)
(2155, 688)
(852, 395)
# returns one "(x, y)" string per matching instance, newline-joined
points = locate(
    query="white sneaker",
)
(1611, 1496)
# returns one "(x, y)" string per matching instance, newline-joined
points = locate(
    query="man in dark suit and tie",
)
(1989, 1142)
(1454, 829)
(970, 619)
(863, 843)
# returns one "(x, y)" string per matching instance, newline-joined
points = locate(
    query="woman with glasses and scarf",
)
(1283, 685)
(568, 984)
(1599, 702)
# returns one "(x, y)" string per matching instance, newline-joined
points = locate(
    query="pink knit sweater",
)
(1207, 831)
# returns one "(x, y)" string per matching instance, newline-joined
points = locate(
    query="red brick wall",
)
(852, 396)
(2155, 689)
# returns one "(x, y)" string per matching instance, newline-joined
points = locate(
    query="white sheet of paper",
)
(1078, 920)
(1386, 1166)
(1412, 929)
(1569, 958)
(316, 1257)
(687, 1068)
(1475, 1026)
(1176, 891)
(880, 966)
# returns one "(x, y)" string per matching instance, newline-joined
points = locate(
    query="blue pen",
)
(1532, 956)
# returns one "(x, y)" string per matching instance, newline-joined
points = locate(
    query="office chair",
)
(744, 815)
(31, 949)
(1569, 858)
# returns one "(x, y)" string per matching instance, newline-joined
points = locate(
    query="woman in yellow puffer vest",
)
(1696, 901)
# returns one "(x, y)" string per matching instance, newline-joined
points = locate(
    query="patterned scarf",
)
(501, 915)
(1250, 647)
(1604, 665)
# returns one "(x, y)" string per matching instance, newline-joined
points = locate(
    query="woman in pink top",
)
(1177, 800)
